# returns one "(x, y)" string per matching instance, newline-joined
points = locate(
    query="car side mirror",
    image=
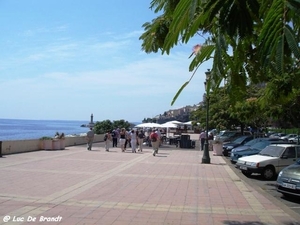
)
(284, 157)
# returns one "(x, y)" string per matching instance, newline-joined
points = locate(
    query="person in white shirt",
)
(133, 141)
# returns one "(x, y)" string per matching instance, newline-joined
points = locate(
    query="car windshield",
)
(253, 142)
(221, 133)
(273, 151)
(239, 140)
(260, 145)
(228, 134)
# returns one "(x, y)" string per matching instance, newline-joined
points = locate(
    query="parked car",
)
(286, 137)
(277, 135)
(249, 144)
(270, 161)
(254, 149)
(227, 147)
(295, 139)
(228, 136)
(288, 180)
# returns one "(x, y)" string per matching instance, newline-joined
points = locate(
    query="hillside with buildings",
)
(182, 114)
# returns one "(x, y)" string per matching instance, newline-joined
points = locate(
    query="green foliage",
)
(121, 124)
(103, 126)
(106, 125)
(251, 41)
(250, 111)
(237, 17)
(46, 138)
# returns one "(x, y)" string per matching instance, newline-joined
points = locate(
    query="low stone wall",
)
(19, 146)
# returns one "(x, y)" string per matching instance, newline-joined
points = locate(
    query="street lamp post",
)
(205, 157)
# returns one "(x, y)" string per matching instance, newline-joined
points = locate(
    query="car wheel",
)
(246, 173)
(268, 173)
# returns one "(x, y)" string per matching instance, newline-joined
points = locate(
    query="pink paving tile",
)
(37, 183)
(107, 220)
(121, 222)
(170, 180)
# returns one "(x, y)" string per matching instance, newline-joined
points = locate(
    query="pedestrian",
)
(154, 142)
(141, 137)
(133, 140)
(127, 141)
(114, 138)
(122, 139)
(107, 140)
(90, 138)
(159, 136)
(202, 138)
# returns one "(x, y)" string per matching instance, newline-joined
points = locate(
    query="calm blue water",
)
(12, 129)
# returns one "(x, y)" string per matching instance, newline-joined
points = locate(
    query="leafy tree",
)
(249, 41)
(220, 116)
(106, 125)
(103, 126)
(121, 124)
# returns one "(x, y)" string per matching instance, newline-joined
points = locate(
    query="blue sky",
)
(66, 59)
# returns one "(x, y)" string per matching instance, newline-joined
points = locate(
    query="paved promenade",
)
(76, 186)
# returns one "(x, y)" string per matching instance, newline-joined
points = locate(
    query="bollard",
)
(0, 149)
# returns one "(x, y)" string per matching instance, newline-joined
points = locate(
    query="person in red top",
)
(154, 142)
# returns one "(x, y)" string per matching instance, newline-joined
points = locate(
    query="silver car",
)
(288, 180)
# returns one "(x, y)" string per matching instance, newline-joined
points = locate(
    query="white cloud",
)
(66, 78)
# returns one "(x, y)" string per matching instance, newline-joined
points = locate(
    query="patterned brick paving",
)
(76, 186)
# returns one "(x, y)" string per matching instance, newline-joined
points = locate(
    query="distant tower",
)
(91, 124)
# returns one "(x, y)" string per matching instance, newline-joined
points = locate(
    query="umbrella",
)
(145, 125)
(188, 123)
(169, 125)
(175, 121)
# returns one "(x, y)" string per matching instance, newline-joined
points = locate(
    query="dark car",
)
(227, 147)
(251, 143)
(228, 136)
(254, 149)
(288, 180)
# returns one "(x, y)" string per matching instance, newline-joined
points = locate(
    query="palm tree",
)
(250, 41)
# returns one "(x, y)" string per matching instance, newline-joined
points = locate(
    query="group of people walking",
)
(134, 138)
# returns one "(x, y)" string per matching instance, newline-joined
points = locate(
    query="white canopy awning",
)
(188, 123)
(148, 125)
(169, 125)
(175, 122)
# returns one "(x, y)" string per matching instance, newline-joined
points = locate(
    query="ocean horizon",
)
(24, 129)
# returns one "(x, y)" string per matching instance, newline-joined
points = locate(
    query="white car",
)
(287, 137)
(270, 161)
(294, 139)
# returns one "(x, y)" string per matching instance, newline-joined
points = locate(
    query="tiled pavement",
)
(76, 186)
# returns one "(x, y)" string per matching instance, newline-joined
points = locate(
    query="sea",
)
(19, 129)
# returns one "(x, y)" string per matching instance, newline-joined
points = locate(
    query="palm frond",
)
(280, 55)
(203, 55)
(237, 17)
(270, 36)
(179, 91)
(292, 42)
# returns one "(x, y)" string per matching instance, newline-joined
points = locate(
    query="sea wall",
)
(18, 146)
